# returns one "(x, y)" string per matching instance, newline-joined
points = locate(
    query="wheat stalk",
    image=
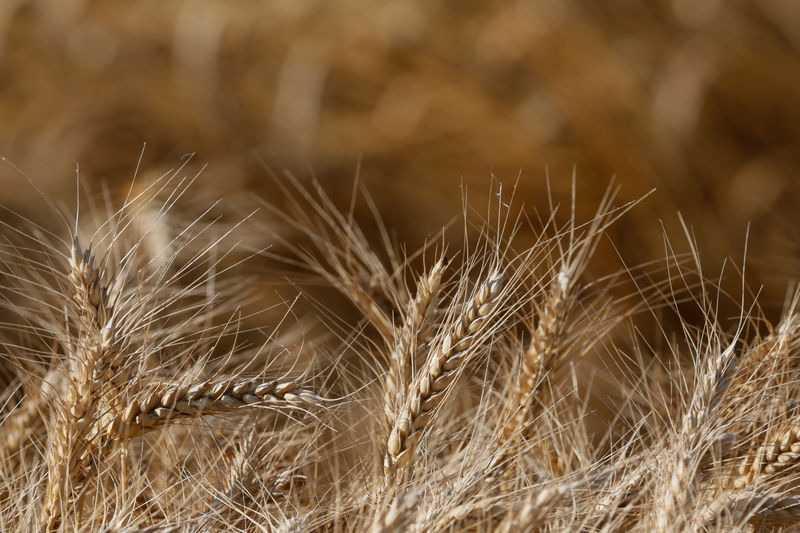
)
(678, 496)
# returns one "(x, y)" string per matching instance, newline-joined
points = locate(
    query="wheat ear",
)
(751, 506)
(537, 360)
(772, 458)
(398, 515)
(443, 363)
(771, 359)
(402, 358)
(542, 350)
(19, 424)
(546, 349)
(678, 496)
(93, 348)
(155, 409)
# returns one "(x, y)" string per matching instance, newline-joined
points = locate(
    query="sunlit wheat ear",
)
(537, 360)
(18, 425)
(544, 343)
(447, 357)
(176, 402)
(546, 347)
(672, 510)
(772, 448)
(781, 455)
(417, 319)
(94, 358)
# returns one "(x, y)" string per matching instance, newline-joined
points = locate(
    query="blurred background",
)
(698, 99)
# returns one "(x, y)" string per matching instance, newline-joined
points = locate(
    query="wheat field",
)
(175, 366)
(410, 265)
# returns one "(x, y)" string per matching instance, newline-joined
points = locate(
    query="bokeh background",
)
(698, 99)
